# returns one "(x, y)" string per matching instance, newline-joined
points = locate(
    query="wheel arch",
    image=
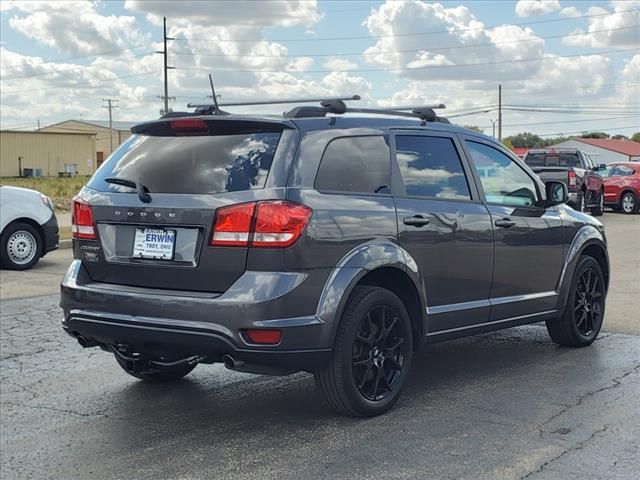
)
(589, 240)
(384, 264)
(31, 222)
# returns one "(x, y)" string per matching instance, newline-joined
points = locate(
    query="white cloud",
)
(534, 8)
(340, 64)
(239, 12)
(421, 57)
(35, 89)
(300, 64)
(73, 27)
(621, 28)
(570, 12)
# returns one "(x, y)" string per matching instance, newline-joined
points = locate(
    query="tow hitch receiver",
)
(138, 363)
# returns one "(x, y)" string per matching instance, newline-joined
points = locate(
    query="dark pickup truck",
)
(576, 169)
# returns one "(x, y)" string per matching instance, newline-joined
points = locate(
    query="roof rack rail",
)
(426, 113)
(333, 105)
(281, 101)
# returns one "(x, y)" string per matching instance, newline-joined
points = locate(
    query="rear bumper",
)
(184, 323)
(51, 235)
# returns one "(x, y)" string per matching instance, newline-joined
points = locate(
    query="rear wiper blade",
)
(143, 191)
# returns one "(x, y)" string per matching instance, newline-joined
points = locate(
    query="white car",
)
(28, 226)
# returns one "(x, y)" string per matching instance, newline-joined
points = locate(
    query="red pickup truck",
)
(575, 168)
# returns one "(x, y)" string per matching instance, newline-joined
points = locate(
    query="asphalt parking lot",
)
(505, 405)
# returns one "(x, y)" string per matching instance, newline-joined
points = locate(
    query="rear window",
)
(191, 164)
(568, 160)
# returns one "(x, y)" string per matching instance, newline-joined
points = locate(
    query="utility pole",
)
(499, 113)
(493, 128)
(166, 67)
(111, 104)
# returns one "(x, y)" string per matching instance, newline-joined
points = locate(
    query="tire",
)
(21, 246)
(629, 203)
(369, 365)
(160, 375)
(581, 321)
(599, 210)
(579, 205)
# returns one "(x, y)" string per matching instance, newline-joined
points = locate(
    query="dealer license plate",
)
(154, 243)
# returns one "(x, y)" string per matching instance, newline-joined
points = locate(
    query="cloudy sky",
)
(565, 66)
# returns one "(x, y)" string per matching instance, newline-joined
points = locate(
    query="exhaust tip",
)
(86, 342)
(229, 362)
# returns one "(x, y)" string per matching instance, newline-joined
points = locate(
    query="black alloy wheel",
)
(581, 320)
(377, 358)
(588, 302)
(371, 356)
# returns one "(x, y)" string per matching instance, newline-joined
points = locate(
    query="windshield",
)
(191, 164)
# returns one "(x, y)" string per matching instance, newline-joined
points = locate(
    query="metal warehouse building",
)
(119, 133)
(47, 154)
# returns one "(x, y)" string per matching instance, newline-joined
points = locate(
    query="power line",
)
(46, 60)
(582, 131)
(566, 121)
(368, 37)
(427, 67)
(63, 70)
(96, 84)
(429, 49)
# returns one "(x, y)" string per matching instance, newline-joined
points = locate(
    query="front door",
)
(528, 238)
(445, 228)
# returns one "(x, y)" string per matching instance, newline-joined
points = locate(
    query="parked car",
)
(622, 187)
(337, 246)
(29, 227)
(576, 169)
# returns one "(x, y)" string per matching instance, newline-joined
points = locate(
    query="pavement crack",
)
(59, 410)
(578, 446)
(615, 383)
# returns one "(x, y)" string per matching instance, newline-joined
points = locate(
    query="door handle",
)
(416, 221)
(505, 223)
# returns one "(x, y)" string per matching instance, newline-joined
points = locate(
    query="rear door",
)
(445, 228)
(189, 174)
(528, 238)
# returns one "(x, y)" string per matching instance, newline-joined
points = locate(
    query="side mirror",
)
(557, 193)
(602, 166)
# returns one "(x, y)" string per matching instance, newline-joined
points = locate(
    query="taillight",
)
(279, 224)
(82, 221)
(274, 223)
(189, 126)
(572, 178)
(232, 225)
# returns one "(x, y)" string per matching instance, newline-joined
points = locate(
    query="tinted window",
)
(502, 179)
(431, 167)
(355, 164)
(553, 159)
(191, 164)
(622, 171)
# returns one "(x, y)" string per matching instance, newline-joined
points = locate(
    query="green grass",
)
(61, 190)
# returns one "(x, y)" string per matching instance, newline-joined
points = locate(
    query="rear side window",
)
(431, 167)
(355, 165)
(191, 164)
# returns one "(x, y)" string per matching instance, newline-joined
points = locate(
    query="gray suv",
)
(335, 244)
